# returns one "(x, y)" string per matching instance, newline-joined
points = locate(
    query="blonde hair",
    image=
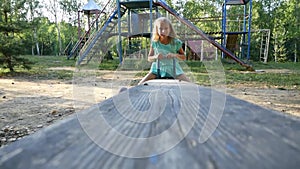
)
(155, 36)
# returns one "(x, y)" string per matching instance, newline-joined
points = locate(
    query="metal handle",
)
(174, 68)
(158, 69)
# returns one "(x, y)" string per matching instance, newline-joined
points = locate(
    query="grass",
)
(273, 65)
(109, 64)
(43, 68)
(274, 75)
(282, 80)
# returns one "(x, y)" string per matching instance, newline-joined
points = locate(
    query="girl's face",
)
(163, 29)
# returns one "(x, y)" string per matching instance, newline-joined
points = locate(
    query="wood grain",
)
(247, 135)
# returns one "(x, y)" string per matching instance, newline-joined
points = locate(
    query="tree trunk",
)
(295, 59)
(36, 42)
(9, 64)
(275, 49)
(59, 37)
(32, 50)
(53, 9)
(42, 48)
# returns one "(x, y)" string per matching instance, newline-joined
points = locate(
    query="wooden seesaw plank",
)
(247, 136)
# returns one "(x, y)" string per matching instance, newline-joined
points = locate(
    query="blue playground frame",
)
(246, 24)
(90, 49)
(246, 21)
(132, 4)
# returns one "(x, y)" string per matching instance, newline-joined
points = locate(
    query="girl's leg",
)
(183, 77)
(149, 76)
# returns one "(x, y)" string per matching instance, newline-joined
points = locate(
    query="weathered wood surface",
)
(247, 136)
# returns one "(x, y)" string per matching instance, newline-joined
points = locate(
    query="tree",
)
(261, 19)
(280, 16)
(47, 37)
(205, 14)
(61, 9)
(34, 13)
(291, 17)
(69, 30)
(12, 25)
(54, 10)
(280, 33)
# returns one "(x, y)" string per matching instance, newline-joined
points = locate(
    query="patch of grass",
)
(286, 75)
(274, 65)
(196, 66)
(280, 75)
(271, 79)
(141, 74)
(44, 68)
(202, 79)
(109, 64)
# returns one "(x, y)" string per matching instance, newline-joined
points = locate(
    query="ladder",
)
(264, 45)
(82, 40)
(90, 49)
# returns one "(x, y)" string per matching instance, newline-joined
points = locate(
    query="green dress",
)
(166, 65)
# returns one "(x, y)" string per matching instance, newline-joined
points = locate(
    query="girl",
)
(167, 50)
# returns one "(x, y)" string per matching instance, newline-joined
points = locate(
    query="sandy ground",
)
(27, 104)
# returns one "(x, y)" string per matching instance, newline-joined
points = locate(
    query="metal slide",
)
(202, 34)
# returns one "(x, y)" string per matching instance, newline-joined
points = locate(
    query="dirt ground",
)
(28, 104)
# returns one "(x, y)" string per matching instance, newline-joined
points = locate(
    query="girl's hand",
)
(160, 56)
(171, 55)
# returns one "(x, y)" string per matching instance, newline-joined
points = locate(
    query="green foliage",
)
(291, 18)
(11, 35)
(282, 18)
(209, 13)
